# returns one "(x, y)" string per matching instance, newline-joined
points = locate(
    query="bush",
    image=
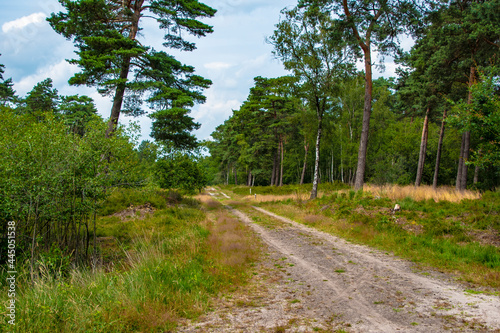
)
(180, 172)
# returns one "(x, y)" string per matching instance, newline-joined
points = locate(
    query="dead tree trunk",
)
(306, 150)
(282, 158)
(438, 155)
(423, 149)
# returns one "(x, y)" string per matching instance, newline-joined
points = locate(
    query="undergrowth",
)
(172, 264)
(121, 198)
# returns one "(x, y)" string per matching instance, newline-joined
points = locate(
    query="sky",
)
(231, 56)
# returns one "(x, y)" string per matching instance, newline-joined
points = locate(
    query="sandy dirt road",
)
(312, 281)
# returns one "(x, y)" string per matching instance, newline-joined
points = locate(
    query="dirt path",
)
(314, 281)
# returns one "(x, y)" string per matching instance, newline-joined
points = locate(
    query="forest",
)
(329, 122)
(65, 170)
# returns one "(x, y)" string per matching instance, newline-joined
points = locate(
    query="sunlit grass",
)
(424, 192)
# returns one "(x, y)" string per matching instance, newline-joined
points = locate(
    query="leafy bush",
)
(180, 172)
(52, 177)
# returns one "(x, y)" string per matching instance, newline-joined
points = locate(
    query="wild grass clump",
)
(424, 192)
(121, 198)
(174, 262)
(208, 202)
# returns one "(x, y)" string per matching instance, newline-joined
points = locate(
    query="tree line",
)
(315, 124)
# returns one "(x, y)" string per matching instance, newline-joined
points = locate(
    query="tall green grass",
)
(173, 263)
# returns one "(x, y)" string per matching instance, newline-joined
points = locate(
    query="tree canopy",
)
(112, 58)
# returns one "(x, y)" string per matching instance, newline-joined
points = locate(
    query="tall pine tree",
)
(111, 57)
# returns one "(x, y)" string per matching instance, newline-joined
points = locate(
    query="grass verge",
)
(460, 237)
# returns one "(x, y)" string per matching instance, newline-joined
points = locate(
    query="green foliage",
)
(42, 99)
(180, 171)
(482, 117)
(77, 112)
(174, 266)
(51, 179)
(109, 53)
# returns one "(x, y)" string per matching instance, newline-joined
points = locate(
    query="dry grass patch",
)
(230, 243)
(298, 197)
(207, 201)
(443, 193)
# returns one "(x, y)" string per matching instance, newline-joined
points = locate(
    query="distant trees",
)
(111, 57)
(254, 138)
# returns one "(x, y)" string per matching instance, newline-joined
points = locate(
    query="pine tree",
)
(111, 57)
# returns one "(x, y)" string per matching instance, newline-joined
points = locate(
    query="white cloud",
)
(217, 65)
(36, 18)
(59, 73)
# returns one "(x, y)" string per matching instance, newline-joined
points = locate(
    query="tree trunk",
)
(273, 175)
(120, 89)
(306, 149)
(314, 191)
(476, 175)
(235, 176)
(367, 109)
(464, 154)
(118, 99)
(440, 147)
(278, 166)
(282, 158)
(463, 182)
(423, 149)
(460, 165)
(249, 179)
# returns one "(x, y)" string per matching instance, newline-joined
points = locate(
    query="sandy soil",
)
(311, 281)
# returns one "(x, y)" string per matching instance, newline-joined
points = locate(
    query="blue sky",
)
(231, 56)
